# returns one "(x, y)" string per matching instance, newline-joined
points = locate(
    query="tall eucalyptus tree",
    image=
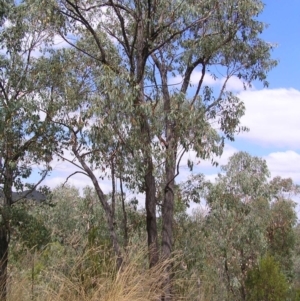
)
(161, 42)
(25, 132)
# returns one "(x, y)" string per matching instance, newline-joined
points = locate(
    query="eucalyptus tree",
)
(161, 42)
(93, 125)
(237, 222)
(25, 133)
(248, 218)
(246, 177)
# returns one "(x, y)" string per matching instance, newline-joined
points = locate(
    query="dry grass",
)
(93, 276)
(87, 280)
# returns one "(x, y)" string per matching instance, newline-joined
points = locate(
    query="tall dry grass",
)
(86, 280)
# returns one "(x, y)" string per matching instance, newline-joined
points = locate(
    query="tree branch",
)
(71, 175)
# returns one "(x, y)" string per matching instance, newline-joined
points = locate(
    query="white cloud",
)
(273, 117)
(80, 181)
(204, 166)
(175, 80)
(285, 164)
(7, 24)
(212, 178)
(229, 151)
(59, 42)
(208, 80)
(234, 84)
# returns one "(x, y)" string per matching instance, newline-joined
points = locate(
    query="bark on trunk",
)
(167, 219)
(170, 167)
(151, 218)
(167, 230)
(4, 231)
(168, 212)
(150, 198)
(124, 214)
(113, 193)
(3, 261)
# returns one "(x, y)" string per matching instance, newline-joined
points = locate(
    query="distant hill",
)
(27, 195)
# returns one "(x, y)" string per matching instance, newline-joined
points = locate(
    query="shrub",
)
(266, 282)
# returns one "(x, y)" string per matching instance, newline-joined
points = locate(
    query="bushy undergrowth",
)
(91, 276)
(55, 275)
(215, 256)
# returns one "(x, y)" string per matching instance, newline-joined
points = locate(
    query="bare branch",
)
(88, 26)
(70, 161)
(71, 175)
(122, 23)
(177, 172)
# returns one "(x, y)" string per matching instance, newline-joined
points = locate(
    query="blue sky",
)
(284, 29)
(272, 114)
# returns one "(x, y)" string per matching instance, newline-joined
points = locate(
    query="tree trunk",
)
(150, 186)
(168, 211)
(124, 214)
(4, 231)
(167, 220)
(151, 218)
(3, 261)
(170, 167)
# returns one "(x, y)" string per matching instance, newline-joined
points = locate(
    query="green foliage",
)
(247, 217)
(266, 282)
(26, 136)
(245, 176)
(114, 108)
(281, 234)
(29, 230)
(76, 222)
